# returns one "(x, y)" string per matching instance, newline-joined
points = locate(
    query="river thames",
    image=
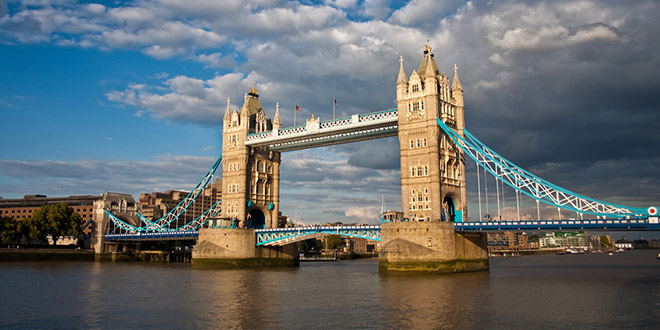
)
(529, 292)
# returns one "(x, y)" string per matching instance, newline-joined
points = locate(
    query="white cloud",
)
(544, 68)
(362, 214)
(185, 98)
(64, 178)
(552, 37)
(421, 12)
(377, 9)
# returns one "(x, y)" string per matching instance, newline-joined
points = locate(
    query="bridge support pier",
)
(430, 247)
(236, 248)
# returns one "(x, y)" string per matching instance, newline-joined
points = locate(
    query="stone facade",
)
(430, 247)
(250, 176)
(432, 168)
(235, 248)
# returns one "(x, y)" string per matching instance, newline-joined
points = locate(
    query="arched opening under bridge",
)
(449, 209)
(256, 219)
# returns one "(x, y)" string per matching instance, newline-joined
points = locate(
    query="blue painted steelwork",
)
(186, 202)
(533, 186)
(282, 236)
(651, 223)
(193, 225)
(162, 223)
(89, 222)
(167, 235)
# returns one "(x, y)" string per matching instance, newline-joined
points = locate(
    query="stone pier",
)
(236, 248)
(430, 247)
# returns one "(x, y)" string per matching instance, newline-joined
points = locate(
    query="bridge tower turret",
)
(432, 168)
(250, 176)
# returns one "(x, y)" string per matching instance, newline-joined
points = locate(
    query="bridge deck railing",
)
(357, 120)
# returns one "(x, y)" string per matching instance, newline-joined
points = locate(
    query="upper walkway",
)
(318, 134)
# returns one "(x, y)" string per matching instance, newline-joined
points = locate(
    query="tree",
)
(54, 220)
(604, 240)
(10, 231)
(333, 242)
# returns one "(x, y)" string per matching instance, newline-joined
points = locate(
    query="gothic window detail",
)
(415, 88)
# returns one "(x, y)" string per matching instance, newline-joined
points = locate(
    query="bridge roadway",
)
(283, 236)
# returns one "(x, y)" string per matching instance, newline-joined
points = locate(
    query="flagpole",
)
(333, 108)
(294, 116)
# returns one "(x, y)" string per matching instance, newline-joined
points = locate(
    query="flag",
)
(298, 108)
(334, 99)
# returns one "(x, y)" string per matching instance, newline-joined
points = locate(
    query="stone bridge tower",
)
(250, 176)
(433, 194)
(432, 168)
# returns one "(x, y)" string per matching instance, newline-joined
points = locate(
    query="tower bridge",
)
(429, 121)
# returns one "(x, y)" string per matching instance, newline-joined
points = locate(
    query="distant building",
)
(390, 216)
(18, 209)
(507, 240)
(569, 239)
(623, 244)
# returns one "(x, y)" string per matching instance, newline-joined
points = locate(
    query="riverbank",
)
(46, 255)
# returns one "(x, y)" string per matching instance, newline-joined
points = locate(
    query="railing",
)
(650, 223)
(281, 236)
(348, 122)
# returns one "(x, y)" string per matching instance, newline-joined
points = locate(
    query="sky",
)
(128, 96)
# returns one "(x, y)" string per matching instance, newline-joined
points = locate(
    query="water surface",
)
(532, 292)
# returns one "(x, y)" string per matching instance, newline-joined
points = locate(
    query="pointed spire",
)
(253, 91)
(402, 73)
(430, 71)
(456, 85)
(427, 61)
(277, 122)
(227, 111)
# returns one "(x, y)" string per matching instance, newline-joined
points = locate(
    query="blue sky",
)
(129, 95)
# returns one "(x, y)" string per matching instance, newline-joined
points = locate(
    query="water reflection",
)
(542, 292)
(238, 299)
(433, 302)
